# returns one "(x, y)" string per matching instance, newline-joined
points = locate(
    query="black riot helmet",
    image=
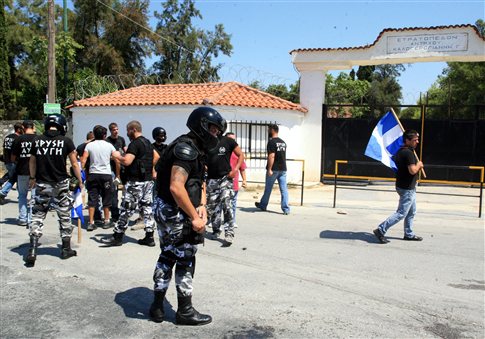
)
(56, 120)
(199, 121)
(159, 134)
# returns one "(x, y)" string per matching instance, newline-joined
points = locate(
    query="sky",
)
(263, 32)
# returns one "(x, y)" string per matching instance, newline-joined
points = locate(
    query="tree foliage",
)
(4, 68)
(186, 52)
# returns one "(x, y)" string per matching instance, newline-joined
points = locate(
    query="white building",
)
(169, 106)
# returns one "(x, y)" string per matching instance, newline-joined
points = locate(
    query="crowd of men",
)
(165, 184)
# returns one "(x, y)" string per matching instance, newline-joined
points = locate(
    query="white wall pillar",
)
(312, 93)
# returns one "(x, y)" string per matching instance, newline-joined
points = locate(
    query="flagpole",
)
(79, 231)
(402, 129)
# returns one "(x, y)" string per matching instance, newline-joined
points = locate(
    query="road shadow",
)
(136, 302)
(220, 239)
(347, 235)
(10, 221)
(23, 249)
(104, 239)
(255, 210)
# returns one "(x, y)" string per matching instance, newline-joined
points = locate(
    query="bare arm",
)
(415, 168)
(240, 160)
(75, 167)
(270, 163)
(243, 176)
(84, 158)
(125, 160)
(178, 178)
(156, 156)
(32, 170)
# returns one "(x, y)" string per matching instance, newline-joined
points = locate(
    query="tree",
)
(4, 66)
(461, 85)
(186, 52)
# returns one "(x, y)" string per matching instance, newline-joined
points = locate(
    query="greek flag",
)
(385, 141)
(77, 208)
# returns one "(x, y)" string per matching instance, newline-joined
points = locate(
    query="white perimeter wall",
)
(173, 119)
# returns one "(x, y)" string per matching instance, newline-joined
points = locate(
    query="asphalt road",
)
(318, 272)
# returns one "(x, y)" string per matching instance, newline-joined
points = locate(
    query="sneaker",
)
(215, 235)
(2, 199)
(382, 239)
(413, 238)
(229, 239)
(258, 205)
(91, 227)
(107, 224)
(22, 223)
(286, 213)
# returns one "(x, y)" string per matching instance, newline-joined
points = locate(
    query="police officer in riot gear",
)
(159, 135)
(48, 175)
(180, 212)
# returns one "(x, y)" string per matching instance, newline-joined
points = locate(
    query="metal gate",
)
(449, 136)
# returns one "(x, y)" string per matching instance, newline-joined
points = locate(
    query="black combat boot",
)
(66, 251)
(32, 255)
(117, 239)
(187, 315)
(156, 310)
(148, 240)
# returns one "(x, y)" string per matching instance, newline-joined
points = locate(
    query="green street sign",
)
(52, 109)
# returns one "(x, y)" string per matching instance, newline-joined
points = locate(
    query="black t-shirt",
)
(219, 158)
(159, 148)
(21, 149)
(403, 158)
(80, 151)
(51, 150)
(119, 144)
(141, 168)
(7, 147)
(194, 169)
(278, 147)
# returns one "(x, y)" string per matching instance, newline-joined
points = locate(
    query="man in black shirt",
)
(120, 145)
(9, 164)
(275, 170)
(159, 135)
(181, 214)
(139, 162)
(220, 187)
(408, 168)
(21, 155)
(48, 175)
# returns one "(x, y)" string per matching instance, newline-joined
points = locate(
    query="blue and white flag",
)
(385, 141)
(77, 207)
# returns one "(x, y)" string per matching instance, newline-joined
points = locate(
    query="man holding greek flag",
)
(385, 141)
(396, 149)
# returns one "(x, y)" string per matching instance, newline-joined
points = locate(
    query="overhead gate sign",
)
(446, 42)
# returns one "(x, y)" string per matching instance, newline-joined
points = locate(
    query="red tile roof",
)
(380, 35)
(216, 94)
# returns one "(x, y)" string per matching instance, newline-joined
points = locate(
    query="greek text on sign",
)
(446, 42)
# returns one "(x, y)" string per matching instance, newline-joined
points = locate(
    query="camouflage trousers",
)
(175, 251)
(220, 193)
(56, 196)
(137, 195)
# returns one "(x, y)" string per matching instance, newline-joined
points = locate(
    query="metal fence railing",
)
(471, 184)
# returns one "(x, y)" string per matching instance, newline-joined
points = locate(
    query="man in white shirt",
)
(99, 182)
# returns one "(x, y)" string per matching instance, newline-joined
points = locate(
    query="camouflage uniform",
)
(173, 229)
(137, 195)
(55, 195)
(220, 193)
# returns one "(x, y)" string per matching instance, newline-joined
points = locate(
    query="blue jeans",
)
(11, 179)
(234, 204)
(405, 210)
(281, 177)
(23, 190)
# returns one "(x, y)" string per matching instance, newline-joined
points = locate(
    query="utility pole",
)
(64, 19)
(51, 54)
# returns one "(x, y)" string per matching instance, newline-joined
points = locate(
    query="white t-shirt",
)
(99, 156)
